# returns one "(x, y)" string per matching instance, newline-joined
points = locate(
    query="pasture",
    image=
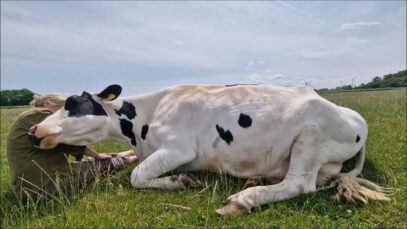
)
(112, 203)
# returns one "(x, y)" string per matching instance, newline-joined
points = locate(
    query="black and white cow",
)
(287, 134)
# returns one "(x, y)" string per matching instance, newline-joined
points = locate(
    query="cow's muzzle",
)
(44, 137)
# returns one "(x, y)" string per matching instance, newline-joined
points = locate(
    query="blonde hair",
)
(55, 99)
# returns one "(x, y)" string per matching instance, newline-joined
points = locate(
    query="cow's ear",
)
(111, 93)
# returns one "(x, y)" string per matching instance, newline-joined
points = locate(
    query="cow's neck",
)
(144, 105)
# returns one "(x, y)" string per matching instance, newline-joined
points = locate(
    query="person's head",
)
(53, 101)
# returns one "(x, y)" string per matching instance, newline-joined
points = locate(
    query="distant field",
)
(112, 203)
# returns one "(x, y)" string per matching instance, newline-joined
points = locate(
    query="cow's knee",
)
(137, 180)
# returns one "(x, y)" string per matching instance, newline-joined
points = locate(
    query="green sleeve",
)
(29, 118)
(76, 151)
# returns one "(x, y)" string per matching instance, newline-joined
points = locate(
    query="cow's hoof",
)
(189, 181)
(232, 209)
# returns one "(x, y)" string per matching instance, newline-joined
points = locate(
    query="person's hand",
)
(103, 156)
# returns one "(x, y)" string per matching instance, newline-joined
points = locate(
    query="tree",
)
(398, 79)
(377, 79)
(15, 97)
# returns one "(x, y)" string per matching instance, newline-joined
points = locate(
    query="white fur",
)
(294, 134)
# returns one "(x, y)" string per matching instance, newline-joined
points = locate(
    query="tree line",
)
(16, 97)
(398, 79)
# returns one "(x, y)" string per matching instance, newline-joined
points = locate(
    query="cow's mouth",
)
(34, 140)
(47, 139)
(47, 142)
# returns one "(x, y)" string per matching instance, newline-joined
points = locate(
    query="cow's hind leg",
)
(301, 178)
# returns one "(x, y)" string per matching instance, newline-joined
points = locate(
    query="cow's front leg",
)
(260, 180)
(146, 174)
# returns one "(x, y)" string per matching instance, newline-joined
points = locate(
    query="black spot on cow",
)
(127, 129)
(97, 108)
(127, 109)
(357, 138)
(83, 105)
(144, 131)
(225, 135)
(244, 121)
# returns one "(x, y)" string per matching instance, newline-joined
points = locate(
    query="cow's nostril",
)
(32, 130)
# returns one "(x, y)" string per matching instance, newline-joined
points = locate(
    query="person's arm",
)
(92, 153)
(76, 151)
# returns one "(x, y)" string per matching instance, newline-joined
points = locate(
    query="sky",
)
(72, 46)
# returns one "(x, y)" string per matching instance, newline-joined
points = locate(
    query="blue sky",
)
(70, 46)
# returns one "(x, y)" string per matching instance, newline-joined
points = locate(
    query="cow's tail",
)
(352, 188)
(360, 161)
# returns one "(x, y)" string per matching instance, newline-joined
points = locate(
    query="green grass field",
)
(112, 203)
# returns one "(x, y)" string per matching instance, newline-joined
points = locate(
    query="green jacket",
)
(31, 168)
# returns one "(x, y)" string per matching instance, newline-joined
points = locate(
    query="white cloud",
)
(357, 25)
(280, 79)
(302, 12)
(265, 78)
(313, 54)
(355, 40)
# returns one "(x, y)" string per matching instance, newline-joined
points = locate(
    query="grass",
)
(112, 203)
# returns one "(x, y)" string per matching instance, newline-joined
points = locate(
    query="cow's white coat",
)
(296, 136)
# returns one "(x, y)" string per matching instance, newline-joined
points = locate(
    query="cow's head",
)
(82, 121)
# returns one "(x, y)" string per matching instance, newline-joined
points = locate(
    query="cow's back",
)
(234, 128)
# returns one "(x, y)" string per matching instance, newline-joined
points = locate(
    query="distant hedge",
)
(398, 79)
(15, 97)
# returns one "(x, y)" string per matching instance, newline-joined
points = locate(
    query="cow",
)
(287, 134)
